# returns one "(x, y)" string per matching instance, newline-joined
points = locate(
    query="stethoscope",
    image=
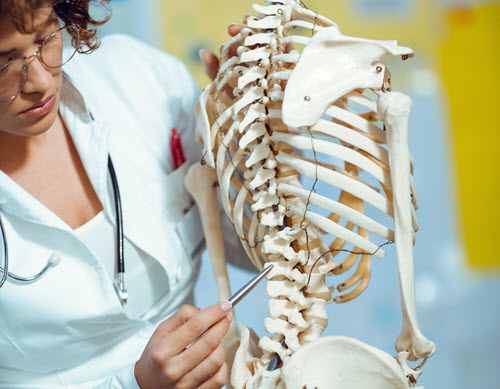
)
(54, 259)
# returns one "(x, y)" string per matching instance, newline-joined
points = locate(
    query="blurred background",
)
(454, 138)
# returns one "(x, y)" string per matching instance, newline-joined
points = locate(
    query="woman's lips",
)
(40, 109)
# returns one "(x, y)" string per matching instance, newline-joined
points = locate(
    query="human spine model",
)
(292, 106)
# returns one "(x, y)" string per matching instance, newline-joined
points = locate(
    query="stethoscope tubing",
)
(6, 274)
(30, 278)
(5, 269)
(119, 218)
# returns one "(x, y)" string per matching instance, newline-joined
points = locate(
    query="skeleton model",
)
(323, 111)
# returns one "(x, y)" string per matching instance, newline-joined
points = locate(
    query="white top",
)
(68, 329)
(144, 276)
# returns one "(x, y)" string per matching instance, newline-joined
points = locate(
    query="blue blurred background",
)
(453, 138)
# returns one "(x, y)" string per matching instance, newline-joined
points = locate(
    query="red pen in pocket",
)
(176, 149)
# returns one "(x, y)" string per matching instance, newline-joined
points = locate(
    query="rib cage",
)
(260, 162)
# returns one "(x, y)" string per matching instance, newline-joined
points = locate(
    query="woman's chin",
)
(33, 126)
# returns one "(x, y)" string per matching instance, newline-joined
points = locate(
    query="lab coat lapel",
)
(89, 136)
(91, 141)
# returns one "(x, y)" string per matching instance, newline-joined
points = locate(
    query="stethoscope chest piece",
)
(53, 261)
(120, 290)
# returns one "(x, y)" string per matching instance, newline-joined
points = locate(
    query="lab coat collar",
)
(90, 139)
(73, 99)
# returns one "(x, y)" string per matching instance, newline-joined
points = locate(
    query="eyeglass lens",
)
(54, 52)
(12, 79)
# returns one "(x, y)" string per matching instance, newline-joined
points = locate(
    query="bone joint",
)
(311, 106)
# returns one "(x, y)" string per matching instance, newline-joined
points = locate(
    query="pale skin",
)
(39, 155)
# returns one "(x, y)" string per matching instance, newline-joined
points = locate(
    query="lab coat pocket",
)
(190, 231)
(178, 199)
(192, 241)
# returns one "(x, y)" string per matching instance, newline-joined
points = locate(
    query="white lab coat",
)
(68, 329)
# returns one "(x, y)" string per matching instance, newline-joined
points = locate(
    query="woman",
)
(64, 134)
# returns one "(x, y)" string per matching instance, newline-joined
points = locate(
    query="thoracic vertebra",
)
(259, 162)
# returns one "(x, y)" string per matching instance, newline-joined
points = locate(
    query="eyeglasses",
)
(54, 52)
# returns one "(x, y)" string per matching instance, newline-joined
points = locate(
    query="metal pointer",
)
(238, 296)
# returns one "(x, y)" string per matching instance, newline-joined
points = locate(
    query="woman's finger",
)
(153, 368)
(201, 349)
(206, 369)
(204, 346)
(211, 63)
(218, 380)
(233, 29)
(180, 317)
(196, 326)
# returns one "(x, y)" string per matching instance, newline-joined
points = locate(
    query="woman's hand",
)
(210, 59)
(171, 361)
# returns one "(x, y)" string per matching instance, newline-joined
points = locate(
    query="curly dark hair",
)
(21, 15)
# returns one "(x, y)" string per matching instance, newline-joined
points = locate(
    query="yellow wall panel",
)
(469, 65)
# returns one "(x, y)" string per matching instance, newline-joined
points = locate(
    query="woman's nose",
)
(39, 77)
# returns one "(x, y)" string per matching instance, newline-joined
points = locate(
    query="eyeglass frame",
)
(39, 56)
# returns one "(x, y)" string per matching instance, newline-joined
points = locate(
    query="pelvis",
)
(313, 163)
(332, 362)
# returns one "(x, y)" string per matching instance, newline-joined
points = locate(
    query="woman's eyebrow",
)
(2, 53)
(40, 34)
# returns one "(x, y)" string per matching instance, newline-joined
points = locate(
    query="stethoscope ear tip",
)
(54, 259)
